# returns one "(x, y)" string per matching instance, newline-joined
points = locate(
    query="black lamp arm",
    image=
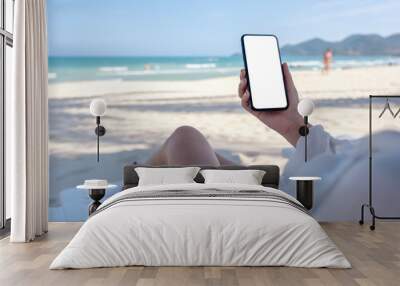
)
(303, 131)
(100, 131)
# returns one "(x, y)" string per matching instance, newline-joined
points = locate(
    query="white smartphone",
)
(264, 72)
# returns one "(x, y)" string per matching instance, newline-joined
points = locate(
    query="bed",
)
(197, 224)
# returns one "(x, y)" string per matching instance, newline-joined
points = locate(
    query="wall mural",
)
(148, 97)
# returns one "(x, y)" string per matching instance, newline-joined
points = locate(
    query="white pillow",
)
(248, 177)
(164, 176)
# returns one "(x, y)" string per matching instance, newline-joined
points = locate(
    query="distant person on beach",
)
(328, 56)
(342, 164)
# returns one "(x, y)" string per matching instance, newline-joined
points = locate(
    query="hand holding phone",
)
(286, 122)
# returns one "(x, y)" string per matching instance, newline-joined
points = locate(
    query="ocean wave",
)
(201, 66)
(343, 63)
(51, 75)
(305, 64)
(113, 69)
(354, 63)
(175, 71)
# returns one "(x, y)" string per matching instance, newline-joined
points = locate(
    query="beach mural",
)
(72, 69)
(148, 97)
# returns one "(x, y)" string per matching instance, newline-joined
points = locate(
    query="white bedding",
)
(183, 231)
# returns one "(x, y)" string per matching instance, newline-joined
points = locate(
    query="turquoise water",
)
(63, 69)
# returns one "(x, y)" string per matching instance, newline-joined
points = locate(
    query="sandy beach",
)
(141, 114)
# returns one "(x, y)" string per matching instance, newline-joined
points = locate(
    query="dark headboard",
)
(270, 179)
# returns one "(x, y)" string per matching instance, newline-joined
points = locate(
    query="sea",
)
(69, 204)
(63, 69)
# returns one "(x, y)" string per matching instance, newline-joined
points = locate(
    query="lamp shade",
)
(98, 107)
(305, 107)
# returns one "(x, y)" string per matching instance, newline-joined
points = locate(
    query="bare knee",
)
(185, 133)
(187, 146)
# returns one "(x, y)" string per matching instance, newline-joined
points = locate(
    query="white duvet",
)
(200, 231)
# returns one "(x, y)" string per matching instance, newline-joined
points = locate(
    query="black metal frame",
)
(6, 39)
(369, 205)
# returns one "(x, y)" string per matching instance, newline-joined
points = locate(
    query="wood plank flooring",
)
(375, 257)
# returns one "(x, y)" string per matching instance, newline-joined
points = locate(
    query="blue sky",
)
(205, 27)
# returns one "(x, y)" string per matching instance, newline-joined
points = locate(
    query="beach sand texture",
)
(141, 115)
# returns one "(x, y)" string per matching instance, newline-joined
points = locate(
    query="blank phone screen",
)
(264, 70)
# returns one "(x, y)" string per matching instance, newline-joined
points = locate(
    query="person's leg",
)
(186, 146)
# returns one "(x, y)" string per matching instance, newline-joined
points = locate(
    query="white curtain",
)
(27, 124)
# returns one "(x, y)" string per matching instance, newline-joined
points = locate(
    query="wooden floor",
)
(375, 257)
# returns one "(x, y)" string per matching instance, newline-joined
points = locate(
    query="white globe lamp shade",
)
(305, 107)
(98, 107)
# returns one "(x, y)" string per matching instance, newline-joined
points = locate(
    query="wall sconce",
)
(98, 108)
(305, 108)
